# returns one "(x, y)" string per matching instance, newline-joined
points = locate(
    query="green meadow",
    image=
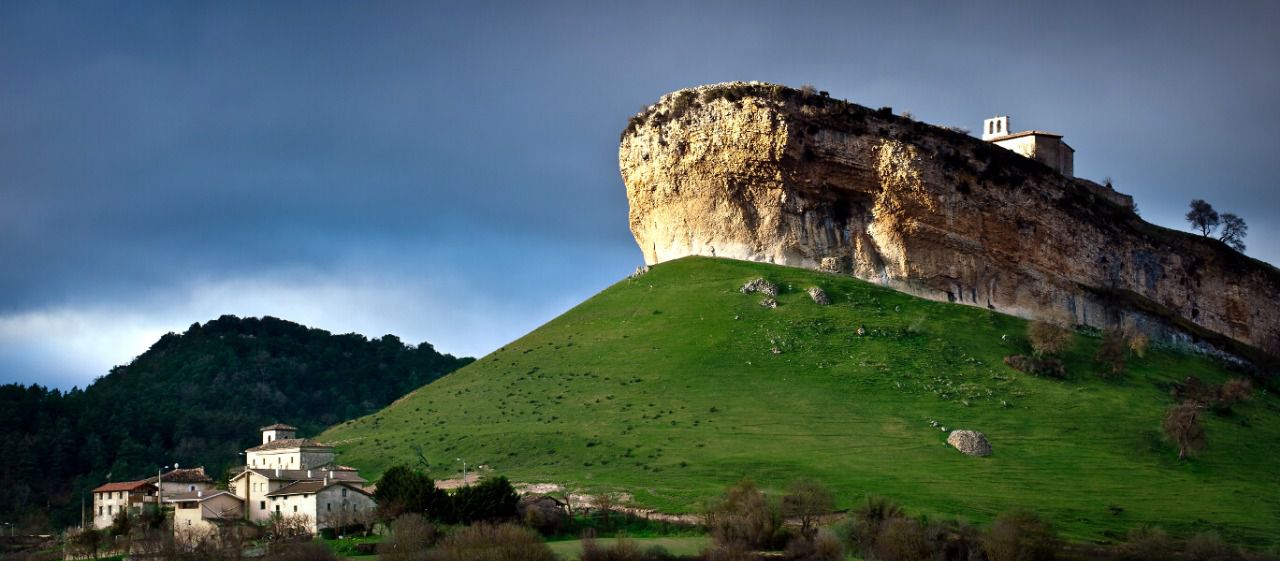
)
(667, 387)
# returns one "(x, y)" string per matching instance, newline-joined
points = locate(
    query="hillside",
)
(195, 398)
(666, 386)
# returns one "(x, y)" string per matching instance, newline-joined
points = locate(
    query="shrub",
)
(1145, 543)
(302, 551)
(1048, 338)
(901, 539)
(624, 549)
(1208, 546)
(1020, 536)
(493, 500)
(868, 519)
(743, 516)
(729, 552)
(952, 541)
(1050, 367)
(1112, 354)
(490, 542)
(411, 536)
(1234, 391)
(403, 489)
(1139, 343)
(1182, 426)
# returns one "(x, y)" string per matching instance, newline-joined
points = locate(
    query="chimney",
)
(277, 472)
(308, 474)
(326, 482)
(330, 473)
(199, 494)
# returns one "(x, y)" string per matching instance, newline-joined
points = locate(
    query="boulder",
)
(970, 442)
(819, 296)
(760, 285)
(769, 303)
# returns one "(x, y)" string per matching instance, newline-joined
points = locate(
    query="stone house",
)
(290, 476)
(1045, 147)
(112, 498)
(200, 514)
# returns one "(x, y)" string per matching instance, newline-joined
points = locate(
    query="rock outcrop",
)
(970, 442)
(766, 173)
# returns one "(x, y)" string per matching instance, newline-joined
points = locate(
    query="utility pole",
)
(464, 471)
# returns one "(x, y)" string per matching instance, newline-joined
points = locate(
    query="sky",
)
(447, 172)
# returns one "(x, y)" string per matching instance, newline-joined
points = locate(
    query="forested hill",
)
(197, 399)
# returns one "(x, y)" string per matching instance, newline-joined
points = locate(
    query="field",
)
(668, 387)
(570, 549)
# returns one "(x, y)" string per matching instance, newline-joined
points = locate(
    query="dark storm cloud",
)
(159, 160)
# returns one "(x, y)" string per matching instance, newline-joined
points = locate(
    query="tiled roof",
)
(285, 443)
(278, 426)
(1024, 133)
(198, 496)
(122, 486)
(306, 475)
(187, 475)
(312, 487)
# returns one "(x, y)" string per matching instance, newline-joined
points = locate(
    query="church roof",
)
(1025, 133)
(278, 426)
(285, 443)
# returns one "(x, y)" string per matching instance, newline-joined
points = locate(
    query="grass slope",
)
(666, 387)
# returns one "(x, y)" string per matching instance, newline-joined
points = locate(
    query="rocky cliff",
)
(767, 173)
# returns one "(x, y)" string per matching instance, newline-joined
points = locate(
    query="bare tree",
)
(1233, 231)
(1182, 425)
(807, 499)
(1202, 217)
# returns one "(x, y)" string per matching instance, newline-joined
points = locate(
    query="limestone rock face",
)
(766, 173)
(970, 442)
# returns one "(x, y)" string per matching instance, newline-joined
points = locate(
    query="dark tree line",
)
(195, 398)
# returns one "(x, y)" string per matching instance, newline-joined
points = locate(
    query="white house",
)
(1045, 147)
(290, 476)
(197, 515)
(111, 499)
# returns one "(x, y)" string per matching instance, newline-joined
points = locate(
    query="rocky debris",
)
(819, 296)
(760, 285)
(970, 442)
(769, 303)
(641, 270)
(862, 331)
(818, 183)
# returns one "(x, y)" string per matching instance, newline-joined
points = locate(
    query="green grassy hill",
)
(666, 386)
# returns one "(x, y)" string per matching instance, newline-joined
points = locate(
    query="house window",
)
(188, 522)
(191, 488)
(328, 507)
(99, 510)
(344, 492)
(262, 505)
(277, 508)
(120, 495)
(108, 509)
(295, 508)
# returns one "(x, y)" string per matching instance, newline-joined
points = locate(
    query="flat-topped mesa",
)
(763, 172)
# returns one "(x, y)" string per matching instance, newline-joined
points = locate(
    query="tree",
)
(1020, 536)
(403, 489)
(1233, 231)
(1182, 425)
(806, 500)
(869, 517)
(411, 536)
(1202, 217)
(742, 516)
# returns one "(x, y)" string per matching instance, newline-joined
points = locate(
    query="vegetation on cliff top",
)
(197, 399)
(667, 386)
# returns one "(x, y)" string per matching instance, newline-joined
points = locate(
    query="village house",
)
(283, 476)
(123, 496)
(1045, 147)
(199, 514)
(290, 476)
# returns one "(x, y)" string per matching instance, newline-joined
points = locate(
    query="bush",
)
(742, 516)
(1112, 354)
(729, 552)
(1048, 338)
(624, 549)
(489, 542)
(411, 536)
(1234, 391)
(901, 539)
(302, 551)
(806, 500)
(1208, 546)
(1050, 367)
(1020, 536)
(403, 489)
(1139, 343)
(824, 546)
(1145, 543)
(868, 519)
(1182, 426)
(493, 500)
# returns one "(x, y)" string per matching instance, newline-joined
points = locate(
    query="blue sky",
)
(447, 172)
